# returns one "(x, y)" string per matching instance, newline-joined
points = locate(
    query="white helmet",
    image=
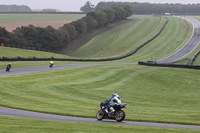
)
(114, 94)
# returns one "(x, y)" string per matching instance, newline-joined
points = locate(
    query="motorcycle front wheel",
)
(120, 115)
(100, 115)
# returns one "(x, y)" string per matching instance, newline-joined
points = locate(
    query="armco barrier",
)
(87, 60)
(194, 58)
(168, 65)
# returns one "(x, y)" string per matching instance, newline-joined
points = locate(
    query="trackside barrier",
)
(87, 60)
(194, 58)
(168, 65)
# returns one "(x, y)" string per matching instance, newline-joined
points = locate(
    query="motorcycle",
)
(118, 115)
(50, 65)
(8, 67)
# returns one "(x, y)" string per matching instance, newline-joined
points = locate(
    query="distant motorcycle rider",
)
(116, 101)
(51, 64)
(8, 67)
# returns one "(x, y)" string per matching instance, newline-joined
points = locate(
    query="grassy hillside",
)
(38, 17)
(123, 41)
(15, 52)
(120, 40)
(176, 33)
(152, 94)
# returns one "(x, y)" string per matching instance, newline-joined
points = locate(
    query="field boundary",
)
(42, 13)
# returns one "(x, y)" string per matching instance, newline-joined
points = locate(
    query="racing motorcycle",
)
(8, 67)
(50, 65)
(118, 115)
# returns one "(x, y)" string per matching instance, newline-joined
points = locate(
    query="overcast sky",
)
(74, 5)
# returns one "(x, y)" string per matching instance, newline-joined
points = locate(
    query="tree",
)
(90, 22)
(128, 9)
(14, 8)
(48, 38)
(5, 36)
(80, 26)
(120, 13)
(101, 5)
(88, 7)
(26, 33)
(70, 30)
(101, 19)
(92, 14)
(110, 13)
(38, 38)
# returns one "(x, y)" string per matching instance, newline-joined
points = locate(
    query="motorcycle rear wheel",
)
(100, 115)
(120, 115)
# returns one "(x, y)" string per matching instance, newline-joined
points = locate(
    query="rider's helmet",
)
(114, 94)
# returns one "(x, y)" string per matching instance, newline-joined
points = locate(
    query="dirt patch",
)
(10, 26)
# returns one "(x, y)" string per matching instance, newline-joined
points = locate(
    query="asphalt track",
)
(47, 68)
(189, 46)
(34, 115)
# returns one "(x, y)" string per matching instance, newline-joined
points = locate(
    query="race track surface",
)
(33, 115)
(47, 68)
(189, 46)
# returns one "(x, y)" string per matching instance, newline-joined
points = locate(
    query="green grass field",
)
(38, 17)
(120, 40)
(152, 94)
(16, 125)
(15, 52)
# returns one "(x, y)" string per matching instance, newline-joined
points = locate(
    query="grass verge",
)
(18, 125)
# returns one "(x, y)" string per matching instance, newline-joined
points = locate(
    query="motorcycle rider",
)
(8, 67)
(116, 101)
(51, 63)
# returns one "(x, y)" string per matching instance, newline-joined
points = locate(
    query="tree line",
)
(14, 8)
(53, 40)
(148, 8)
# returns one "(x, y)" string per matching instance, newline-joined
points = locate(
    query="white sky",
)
(75, 5)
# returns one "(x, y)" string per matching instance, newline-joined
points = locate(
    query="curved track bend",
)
(8, 112)
(189, 46)
(41, 116)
